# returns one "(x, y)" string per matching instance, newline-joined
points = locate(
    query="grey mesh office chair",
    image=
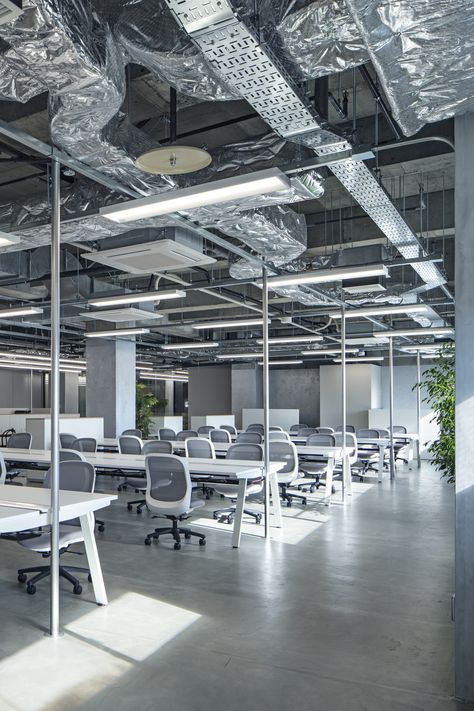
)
(249, 438)
(220, 436)
(17, 440)
(255, 428)
(306, 431)
(129, 444)
(85, 444)
(275, 428)
(230, 429)
(168, 493)
(167, 434)
(400, 445)
(73, 476)
(315, 465)
(349, 428)
(199, 448)
(133, 433)
(278, 435)
(248, 452)
(72, 455)
(139, 483)
(281, 451)
(185, 434)
(368, 455)
(3, 470)
(66, 440)
(294, 429)
(324, 430)
(204, 430)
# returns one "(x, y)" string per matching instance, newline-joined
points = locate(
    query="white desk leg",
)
(381, 461)
(276, 504)
(411, 448)
(346, 472)
(87, 526)
(418, 452)
(329, 472)
(239, 512)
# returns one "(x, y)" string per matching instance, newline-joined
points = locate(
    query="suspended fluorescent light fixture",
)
(443, 331)
(219, 191)
(431, 355)
(384, 310)
(118, 332)
(362, 359)
(43, 367)
(288, 340)
(47, 366)
(424, 347)
(188, 345)
(229, 356)
(321, 276)
(43, 358)
(283, 362)
(137, 297)
(237, 323)
(331, 351)
(20, 311)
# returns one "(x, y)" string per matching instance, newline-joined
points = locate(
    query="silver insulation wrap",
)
(152, 38)
(322, 38)
(427, 72)
(60, 46)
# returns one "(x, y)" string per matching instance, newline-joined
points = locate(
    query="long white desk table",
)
(205, 469)
(25, 507)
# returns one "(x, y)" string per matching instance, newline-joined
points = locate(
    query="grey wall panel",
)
(296, 388)
(209, 390)
(246, 389)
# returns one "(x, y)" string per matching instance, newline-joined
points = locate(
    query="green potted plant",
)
(439, 383)
(145, 404)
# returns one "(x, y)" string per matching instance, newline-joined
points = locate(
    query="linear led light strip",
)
(155, 376)
(443, 331)
(384, 310)
(291, 339)
(229, 356)
(321, 276)
(219, 191)
(118, 332)
(137, 298)
(20, 311)
(45, 358)
(282, 362)
(362, 359)
(37, 366)
(188, 345)
(27, 363)
(336, 351)
(237, 323)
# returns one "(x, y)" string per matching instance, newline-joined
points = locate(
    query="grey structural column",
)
(55, 385)
(390, 370)
(344, 395)
(266, 401)
(464, 549)
(110, 389)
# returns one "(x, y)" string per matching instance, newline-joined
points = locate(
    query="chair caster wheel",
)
(139, 511)
(177, 546)
(288, 504)
(333, 489)
(304, 502)
(31, 589)
(22, 577)
(215, 516)
(129, 507)
(101, 528)
(187, 536)
(148, 541)
(258, 518)
(119, 488)
(77, 589)
(89, 578)
(202, 541)
(312, 489)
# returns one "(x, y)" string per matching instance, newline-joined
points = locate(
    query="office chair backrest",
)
(185, 434)
(70, 455)
(85, 444)
(399, 429)
(369, 434)
(167, 434)
(132, 433)
(199, 447)
(229, 428)
(220, 436)
(252, 452)
(279, 435)
(3, 470)
(383, 433)
(20, 440)
(295, 428)
(204, 429)
(324, 430)
(255, 428)
(168, 484)
(66, 440)
(249, 437)
(323, 440)
(306, 431)
(275, 428)
(129, 444)
(349, 428)
(281, 451)
(73, 476)
(158, 447)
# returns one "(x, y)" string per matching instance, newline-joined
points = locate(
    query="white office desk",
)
(25, 507)
(235, 470)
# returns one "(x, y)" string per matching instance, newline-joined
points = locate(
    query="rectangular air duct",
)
(9, 9)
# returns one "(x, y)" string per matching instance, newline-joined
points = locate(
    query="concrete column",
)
(69, 393)
(110, 390)
(246, 389)
(464, 554)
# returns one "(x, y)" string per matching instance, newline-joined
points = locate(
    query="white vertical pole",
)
(55, 346)
(418, 406)
(344, 396)
(390, 368)
(266, 402)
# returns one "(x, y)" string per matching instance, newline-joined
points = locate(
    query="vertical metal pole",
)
(55, 345)
(266, 401)
(418, 407)
(392, 453)
(344, 395)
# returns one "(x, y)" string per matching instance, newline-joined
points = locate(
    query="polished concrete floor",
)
(347, 609)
